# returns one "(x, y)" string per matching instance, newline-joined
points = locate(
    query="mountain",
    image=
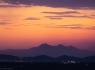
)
(40, 58)
(89, 59)
(8, 58)
(45, 58)
(52, 51)
(68, 58)
(27, 59)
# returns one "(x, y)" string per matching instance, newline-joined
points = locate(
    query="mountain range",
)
(44, 58)
(49, 50)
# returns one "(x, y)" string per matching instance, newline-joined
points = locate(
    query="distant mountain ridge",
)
(49, 50)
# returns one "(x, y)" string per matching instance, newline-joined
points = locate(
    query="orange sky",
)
(25, 27)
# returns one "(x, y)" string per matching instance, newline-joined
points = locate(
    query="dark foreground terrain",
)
(46, 66)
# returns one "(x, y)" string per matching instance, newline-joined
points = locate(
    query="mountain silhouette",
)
(89, 59)
(68, 58)
(7, 58)
(45, 58)
(49, 50)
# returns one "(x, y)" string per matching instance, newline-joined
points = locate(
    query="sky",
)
(29, 23)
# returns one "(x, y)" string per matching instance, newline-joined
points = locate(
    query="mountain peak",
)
(60, 45)
(44, 45)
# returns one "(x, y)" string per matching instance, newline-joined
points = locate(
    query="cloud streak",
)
(73, 26)
(90, 28)
(68, 26)
(55, 18)
(4, 23)
(55, 3)
(71, 16)
(8, 28)
(62, 13)
(31, 18)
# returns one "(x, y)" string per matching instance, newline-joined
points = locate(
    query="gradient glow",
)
(26, 27)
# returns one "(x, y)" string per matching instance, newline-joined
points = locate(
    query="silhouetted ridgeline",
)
(53, 51)
(44, 58)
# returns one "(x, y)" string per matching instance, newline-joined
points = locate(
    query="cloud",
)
(14, 5)
(61, 13)
(93, 15)
(8, 28)
(71, 26)
(22, 24)
(90, 28)
(66, 26)
(56, 18)
(53, 25)
(32, 18)
(4, 23)
(55, 3)
(6, 20)
(71, 16)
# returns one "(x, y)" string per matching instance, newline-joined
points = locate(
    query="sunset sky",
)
(29, 23)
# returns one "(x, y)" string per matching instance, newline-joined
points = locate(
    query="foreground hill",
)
(10, 58)
(44, 58)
